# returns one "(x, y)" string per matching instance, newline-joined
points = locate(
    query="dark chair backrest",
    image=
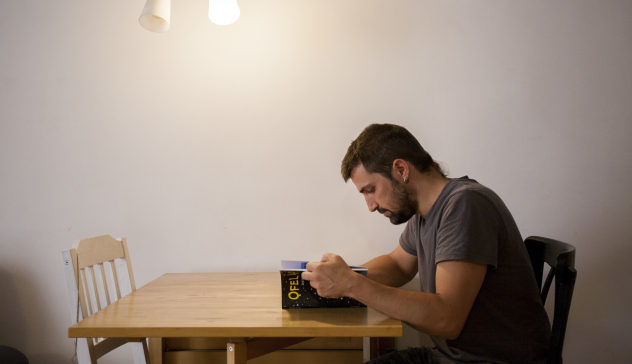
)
(561, 258)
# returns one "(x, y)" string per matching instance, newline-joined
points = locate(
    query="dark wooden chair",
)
(561, 258)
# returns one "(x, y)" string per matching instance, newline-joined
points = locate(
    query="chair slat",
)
(116, 282)
(109, 278)
(86, 292)
(91, 289)
(95, 287)
(105, 284)
(97, 269)
(547, 285)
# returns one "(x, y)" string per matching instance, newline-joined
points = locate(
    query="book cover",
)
(298, 293)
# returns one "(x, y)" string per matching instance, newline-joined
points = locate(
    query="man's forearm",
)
(443, 313)
(425, 312)
(386, 271)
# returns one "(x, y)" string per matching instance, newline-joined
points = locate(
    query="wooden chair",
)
(561, 258)
(98, 272)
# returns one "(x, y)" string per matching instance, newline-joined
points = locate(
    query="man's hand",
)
(331, 277)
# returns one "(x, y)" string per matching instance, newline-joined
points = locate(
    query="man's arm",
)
(442, 314)
(394, 269)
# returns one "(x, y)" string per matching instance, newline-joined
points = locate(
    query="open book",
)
(298, 293)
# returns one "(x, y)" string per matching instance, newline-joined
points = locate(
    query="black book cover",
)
(298, 293)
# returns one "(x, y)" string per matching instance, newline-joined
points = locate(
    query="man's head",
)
(379, 153)
(379, 145)
(393, 199)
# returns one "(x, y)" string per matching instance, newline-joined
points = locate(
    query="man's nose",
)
(372, 205)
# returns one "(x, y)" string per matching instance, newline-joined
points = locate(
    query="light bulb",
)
(223, 12)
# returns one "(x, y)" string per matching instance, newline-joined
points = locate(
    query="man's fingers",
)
(327, 257)
(311, 266)
(307, 276)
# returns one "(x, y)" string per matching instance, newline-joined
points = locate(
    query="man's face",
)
(390, 198)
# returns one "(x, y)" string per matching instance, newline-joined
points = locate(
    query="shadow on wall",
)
(600, 320)
(48, 359)
(13, 331)
(15, 298)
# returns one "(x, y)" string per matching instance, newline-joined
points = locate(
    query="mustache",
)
(381, 210)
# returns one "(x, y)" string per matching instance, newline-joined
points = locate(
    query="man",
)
(479, 301)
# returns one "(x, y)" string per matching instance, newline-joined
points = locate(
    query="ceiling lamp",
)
(156, 14)
(223, 12)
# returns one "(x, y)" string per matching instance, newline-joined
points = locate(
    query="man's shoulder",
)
(470, 189)
(467, 196)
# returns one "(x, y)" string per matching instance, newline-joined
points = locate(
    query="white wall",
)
(218, 148)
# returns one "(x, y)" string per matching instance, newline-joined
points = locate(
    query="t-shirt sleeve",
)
(408, 240)
(469, 230)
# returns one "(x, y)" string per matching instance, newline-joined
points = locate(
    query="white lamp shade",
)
(223, 12)
(156, 15)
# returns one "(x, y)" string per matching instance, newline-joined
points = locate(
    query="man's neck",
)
(428, 187)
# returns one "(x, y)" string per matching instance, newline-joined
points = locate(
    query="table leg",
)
(236, 351)
(366, 349)
(156, 350)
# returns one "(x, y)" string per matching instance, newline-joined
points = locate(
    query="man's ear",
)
(401, 169)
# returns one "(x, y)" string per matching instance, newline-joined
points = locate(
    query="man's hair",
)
(379, 145)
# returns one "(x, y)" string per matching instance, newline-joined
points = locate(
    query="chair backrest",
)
(561, 258)
(98, 272)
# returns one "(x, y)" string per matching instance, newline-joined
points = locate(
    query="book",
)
(298, 293)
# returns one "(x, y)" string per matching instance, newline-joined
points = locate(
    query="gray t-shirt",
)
(507, 323)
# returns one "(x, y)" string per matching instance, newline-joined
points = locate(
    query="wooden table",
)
(241, 312)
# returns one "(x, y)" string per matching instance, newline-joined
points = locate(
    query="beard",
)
(405, 202)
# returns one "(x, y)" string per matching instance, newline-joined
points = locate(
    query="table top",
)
(226, 305)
